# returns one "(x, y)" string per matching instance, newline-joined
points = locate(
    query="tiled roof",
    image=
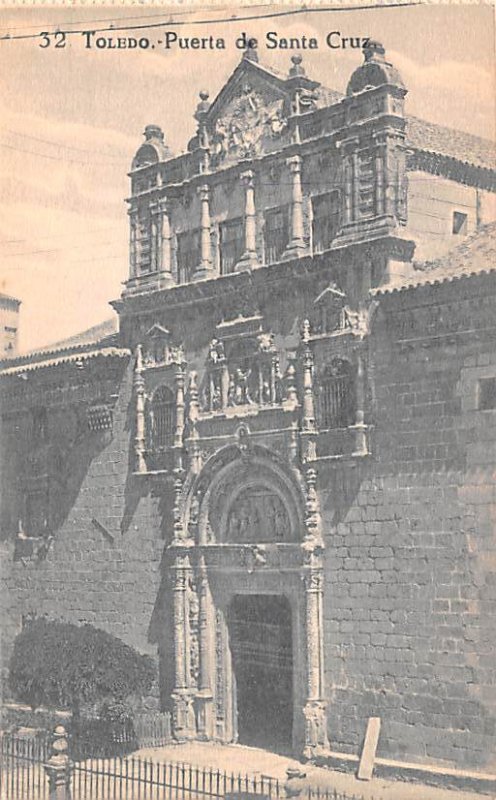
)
(89, 336)
(56, 359)
(100, 339)
(432, 138)
(474, 256)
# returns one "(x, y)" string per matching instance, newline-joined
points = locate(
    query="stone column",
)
(154, 226)
(139, 388)
(193, 441)
(205, 626)
(183, 712)
(249, 258)
(314, 710)
(133, 222)
(361, 447)
(308, 428)
(205, 240)
(379, 179)
(348, 188)
(165, 264)
(59, 767)
(179, 432)
(296, 245)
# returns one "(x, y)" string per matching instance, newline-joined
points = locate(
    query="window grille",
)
(163, 418)
(276, 233)
(188, 254)
(232, 242)
(326, 220)
(337, 396)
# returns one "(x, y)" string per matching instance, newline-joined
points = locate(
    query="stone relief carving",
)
(247, 374)
(247, 122)
(258, 515)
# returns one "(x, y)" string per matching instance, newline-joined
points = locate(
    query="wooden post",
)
(59, 767)
(367, 759)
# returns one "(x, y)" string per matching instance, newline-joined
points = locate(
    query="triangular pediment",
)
(249, 115)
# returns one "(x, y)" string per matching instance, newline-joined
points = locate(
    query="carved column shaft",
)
(165, 239)
(206, 249)
(348, 189)
(154, 245)
(139, 387)
(205, 628)
(132, 243)
(193, 438)
(184, 722)
(250, 254)
(360, 428)
(179, 432)
(297, 231)
(313, 595)
(308, 421)
(379, 178)
(355, 187)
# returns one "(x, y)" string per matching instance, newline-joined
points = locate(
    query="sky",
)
(71, 119)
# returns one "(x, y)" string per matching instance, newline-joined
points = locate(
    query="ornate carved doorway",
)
(260, 638)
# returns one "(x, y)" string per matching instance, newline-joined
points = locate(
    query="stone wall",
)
(103, 566)
(410, 555)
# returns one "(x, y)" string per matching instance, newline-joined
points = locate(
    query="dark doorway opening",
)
(260, 634)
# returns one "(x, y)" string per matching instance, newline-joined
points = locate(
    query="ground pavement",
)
(238, 758)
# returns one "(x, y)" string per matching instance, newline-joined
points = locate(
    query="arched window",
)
(337, 404)
(163, 418)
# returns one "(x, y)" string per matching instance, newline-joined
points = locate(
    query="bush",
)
(68, 666)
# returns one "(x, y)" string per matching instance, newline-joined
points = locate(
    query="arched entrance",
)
(246, 582)
(261, 645)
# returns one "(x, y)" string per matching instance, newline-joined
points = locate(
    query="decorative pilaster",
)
(249, 258)
(193, 441)
(183, 711)
(205, 626)
(308, 429)
(296, 245)
(360, 428)
(314, 710)
(139, 389)
(313, 578)
(154, 244)
(205, 240)
(133, 224)
(179, 432)
(164, 263)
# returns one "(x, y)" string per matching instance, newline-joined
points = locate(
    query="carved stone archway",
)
(246, 524)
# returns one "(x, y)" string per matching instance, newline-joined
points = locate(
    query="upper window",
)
(337, 403)
(487, 394)
(459, 225)
(188, 254)
(163, 418)
(232, 243)
(276, 233)
(326, 220)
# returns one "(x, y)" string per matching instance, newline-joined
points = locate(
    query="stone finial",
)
(374, 51)
(251, 53)
(59, 766)
(305, 330)
(297, 68)
(153, 132)
(203, 106)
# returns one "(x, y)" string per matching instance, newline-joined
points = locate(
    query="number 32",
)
(59, 39)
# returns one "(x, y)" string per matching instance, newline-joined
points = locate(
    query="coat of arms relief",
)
(249, 121)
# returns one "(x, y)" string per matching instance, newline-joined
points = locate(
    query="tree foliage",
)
(68, 666)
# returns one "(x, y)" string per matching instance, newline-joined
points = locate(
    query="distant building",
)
(278, 476)
(9, 325)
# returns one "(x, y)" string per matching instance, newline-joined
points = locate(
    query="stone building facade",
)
(278, 475)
